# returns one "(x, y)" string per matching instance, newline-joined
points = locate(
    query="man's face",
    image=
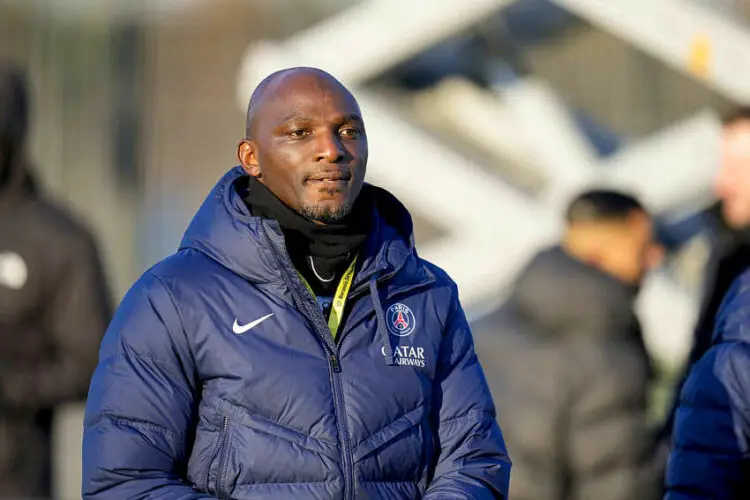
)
(733, 179)
(308, 145)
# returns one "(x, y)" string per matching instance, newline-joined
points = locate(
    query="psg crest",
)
(400, 320)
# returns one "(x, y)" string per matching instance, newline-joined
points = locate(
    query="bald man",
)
(295, 346)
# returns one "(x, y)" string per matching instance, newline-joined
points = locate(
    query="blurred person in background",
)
(54, 306)
(566, 361)
(296, 346)
(710, 457)
(728, 223)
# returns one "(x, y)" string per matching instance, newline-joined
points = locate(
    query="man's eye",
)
(298, 133)
(351, 133)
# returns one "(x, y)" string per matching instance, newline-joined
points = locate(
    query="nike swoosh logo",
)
(240, 329)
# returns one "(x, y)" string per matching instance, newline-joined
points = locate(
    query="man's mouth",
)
(330, 177)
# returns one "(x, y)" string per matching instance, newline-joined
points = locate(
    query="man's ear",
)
(248, 158)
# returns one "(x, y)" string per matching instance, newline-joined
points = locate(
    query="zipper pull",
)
(335, 365)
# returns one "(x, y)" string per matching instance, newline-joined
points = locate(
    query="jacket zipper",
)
(335, 372)
(341, 420)
(338, 398)
(219, 447)
(223, 454)
(331, 348)
(342, 424)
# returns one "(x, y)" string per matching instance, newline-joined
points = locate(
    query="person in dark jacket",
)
(54, 307)
(296, 345)
(711, 454)
(566, 361)
(728, 224)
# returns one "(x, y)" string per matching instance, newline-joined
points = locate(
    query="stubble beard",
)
(324, 213)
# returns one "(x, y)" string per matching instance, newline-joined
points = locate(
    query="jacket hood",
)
(559, 295)
(225, 230)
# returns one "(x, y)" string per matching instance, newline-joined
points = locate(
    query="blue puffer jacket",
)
(182, 407)
(711, 455)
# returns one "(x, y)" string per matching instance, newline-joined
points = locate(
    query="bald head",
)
(306, 142)
(277, 82)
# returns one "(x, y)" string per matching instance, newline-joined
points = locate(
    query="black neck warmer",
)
(320, 252)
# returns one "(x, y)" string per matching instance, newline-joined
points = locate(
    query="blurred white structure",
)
(687, 35)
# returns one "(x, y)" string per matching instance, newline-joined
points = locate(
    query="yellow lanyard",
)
(339, 300)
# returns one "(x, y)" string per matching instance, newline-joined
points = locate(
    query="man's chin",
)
(325, 212)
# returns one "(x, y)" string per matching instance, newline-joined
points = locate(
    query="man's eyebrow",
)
(352, 117)
(295, 116)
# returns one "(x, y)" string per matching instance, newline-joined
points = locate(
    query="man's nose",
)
(330, 149)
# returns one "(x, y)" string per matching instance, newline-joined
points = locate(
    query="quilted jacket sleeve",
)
(711, 453)
(473, 462)
(141, 403)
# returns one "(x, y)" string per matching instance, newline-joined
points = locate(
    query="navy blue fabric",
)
(182, 407)
(711, 454)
